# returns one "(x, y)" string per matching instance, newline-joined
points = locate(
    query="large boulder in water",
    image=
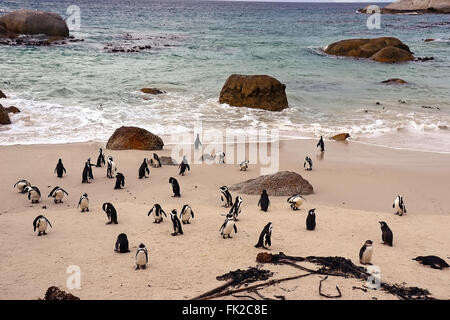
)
(4, 116)
(126, 138)
(254, 91)
(283, 183)
(2, 95)
(33, 22)
(422, 6)
(392, 55)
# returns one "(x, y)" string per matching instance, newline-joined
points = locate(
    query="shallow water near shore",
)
(81, 92)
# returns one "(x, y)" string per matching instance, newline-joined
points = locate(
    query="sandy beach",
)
(354, 188)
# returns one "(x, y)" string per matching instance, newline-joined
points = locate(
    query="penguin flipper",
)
(235, 228)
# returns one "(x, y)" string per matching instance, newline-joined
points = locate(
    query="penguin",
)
(84, 203)
(228, 226)
(111, 212)
(183, 166)
(244, 165)
(386, 234)
(40, 223)
(221, 156)
(175, 187)
(197, 142)
(21, 185)
(144, 171)
(122, 243)
(101, 159)
(321, 144)
(365, 254)
(86, 176)
(186, 213)
(58, 194)
(141, 257)
(311, 220)
(120, 181)
(111, 168)
(60, 169)
(176, 223)
(226, 197)
(296, 201)
(308, 164)
(158, 213)
(433, 261)
(399, 206)
(264, 238)
(157, 161)
(264, 201)
(236, 208)
(34, 194)
(91, 176)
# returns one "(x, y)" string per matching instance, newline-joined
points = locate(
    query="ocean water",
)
(81, 91)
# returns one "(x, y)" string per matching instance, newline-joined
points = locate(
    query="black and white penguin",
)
(228, 226)
(311, 220)
(221, 156)
(57, 194)
(186, 213)
(321, 144)
(91, 175)
(236, 208)
(433, 261)
(60, 170)
(308, 164)
(386, 234)
(122, 243)
(183, 166)
(40, 223)
(226, 197)
(157, 163)
(101, 158)
(144, 171)
(111, 168)
(197, 142)
(264, 201)
(21, 185)
(176, 223)
(365, 254)
(158, 213)
(244, 165)
(264, 238)
(141, 257)
(175, 187)
(86, 176)
(120, 181)
(111, 212)
(296, 201)
(399, 206)
(84, 202)
(34, 194)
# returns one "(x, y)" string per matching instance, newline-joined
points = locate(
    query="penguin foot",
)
(173, 234)
(39, 234)
(137, 268)
(109, 222)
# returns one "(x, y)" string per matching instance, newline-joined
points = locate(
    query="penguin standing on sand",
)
(311, 220)
(197, 142)
(122, 243)
(399, 206)
(60, 169)
(111, 168)
(186, 213)
(236, 208)
(183, 166)
(158, 213)
(226, 197)
(120, 181)
(40, 223)
(386, 234)
(144, 171)
(84, 202)
(308, 164)
(141, 257)
(86, 176)
(34, 194)
(175, 187)
(176, 223)
(296, 201)
(58, 194)
(101, 158)
(365, 254)
(21, 185)
(228, 226)
(157, 161)
(264, 201)
(111, 212)
(433, 261)
(91, 175)
(244, 165)
(321, 144)
(264, 238)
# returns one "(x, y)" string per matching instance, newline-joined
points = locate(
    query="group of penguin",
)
(229, 225)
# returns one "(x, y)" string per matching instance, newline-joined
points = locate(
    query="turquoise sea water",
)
(81, 92)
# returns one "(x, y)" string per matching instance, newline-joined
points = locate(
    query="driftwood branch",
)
(326, 295)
